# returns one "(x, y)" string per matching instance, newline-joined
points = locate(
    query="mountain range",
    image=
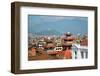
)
(47, 32)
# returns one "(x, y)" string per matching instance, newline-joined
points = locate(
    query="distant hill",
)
(47, 32)
(30, 35)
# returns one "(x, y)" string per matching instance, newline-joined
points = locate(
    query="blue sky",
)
(62, 24)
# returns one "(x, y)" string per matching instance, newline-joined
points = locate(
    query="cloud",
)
(40, 20)
(52, 18)
(83, 18)
(60, 18)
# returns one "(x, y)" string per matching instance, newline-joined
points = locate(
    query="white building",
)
(79, 52)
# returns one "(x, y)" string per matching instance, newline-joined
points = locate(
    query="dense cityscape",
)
(49, 47)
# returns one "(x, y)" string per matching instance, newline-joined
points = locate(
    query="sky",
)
(62, 24)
